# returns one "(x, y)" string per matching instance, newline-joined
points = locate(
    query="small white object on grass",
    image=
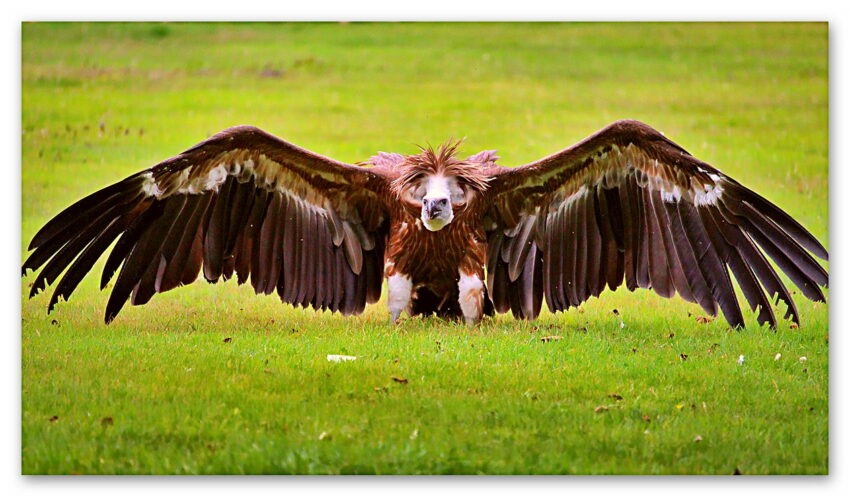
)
(778, 355)
(741, 360)
(336, 358)
(803, 358)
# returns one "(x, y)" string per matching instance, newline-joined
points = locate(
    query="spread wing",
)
(628, 203)
(244, 202)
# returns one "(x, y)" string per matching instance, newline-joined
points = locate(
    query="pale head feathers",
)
(443, 162)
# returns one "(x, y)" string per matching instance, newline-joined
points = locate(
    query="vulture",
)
(456, 237)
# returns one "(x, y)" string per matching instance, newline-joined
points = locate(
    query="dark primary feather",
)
(678, 279)
(242, 202)
(628, 204)
(595, 280)
(687, 261)
(84, 207)
(173, 274)
(713, 268)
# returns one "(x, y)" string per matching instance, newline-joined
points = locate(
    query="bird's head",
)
(438, 186)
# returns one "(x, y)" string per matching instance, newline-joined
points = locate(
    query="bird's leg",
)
(400, 291)
(471, 297)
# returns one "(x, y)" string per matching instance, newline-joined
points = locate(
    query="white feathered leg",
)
(400, 291)
(471, 298)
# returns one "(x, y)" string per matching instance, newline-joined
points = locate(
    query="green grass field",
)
(162, 390)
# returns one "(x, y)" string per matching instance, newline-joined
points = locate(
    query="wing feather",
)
(688, 260)
(310, 261)
(216, 233)
(782, 241)
(609, 212)
(548, 267)
(173, 224)
(178, 255)
(761, 267)
(86, 260)
(809, 287)
(631, 235)
(195, 261)
(339, 278)
(374, 271)
(570, 226)
(642, 273)
(70, 217)
(788, 224)
(242, 202)
(497, 272)
(658, 257)
(713, 269)
(87, 221)
(678, 279)
(594, 248)
(275, 245)
(564, 284)
(743, 274)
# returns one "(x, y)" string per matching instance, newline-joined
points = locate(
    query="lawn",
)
(213, 379)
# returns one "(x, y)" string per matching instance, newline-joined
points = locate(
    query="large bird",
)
(455, 237)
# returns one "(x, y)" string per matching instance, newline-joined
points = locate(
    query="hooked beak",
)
(434, 207)
(436, 213)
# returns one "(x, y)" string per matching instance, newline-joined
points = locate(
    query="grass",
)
(163, 390)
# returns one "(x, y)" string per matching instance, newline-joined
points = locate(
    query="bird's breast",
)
(427, 257)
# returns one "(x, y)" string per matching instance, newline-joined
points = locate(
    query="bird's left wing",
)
(311, 228)
(629, 203)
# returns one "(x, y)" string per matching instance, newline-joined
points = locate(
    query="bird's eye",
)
(415, 194)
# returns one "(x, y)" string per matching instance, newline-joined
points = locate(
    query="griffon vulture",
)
(453, 237)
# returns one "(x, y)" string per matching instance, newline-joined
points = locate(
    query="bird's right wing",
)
(245, 202)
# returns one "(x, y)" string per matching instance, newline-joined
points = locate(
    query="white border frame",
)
(434, 10)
